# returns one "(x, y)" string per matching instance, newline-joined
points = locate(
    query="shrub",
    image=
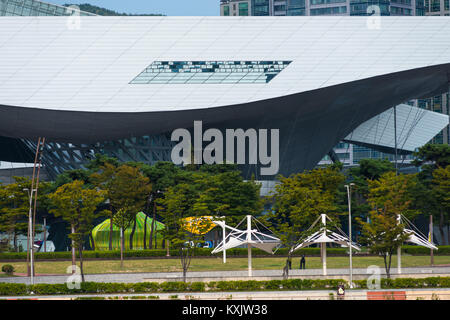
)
(8, 269)
(13, 289)
(197, 286)
(173, 286)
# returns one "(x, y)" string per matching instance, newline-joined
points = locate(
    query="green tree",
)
(15, 205)
(77, 205)
(122, 219)
(227, 194)
(430, 158)
(208, 192)
(441, 190)
(162, 175)
(126, 187)
(434, 155)
(299, 200)
(389, 198)
(177, 206)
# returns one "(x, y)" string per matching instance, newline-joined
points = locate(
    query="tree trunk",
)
(156, 239)
(448, 234)
(74, 262)
(441, 228)
(132, 233)
(121, 247)
(286, 267)
(145, 232)
(80, 249)
(92, 241)
(110, 228)
(15, 241)
(386, 267)
(153, 226)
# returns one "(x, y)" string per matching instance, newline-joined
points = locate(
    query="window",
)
(243, 8)
(296, 12)
(435, 5)
(396, 11)
(316, 2)
(226, 10)
(327, 11)
(212, 72)
(260, 7)
(296, 3)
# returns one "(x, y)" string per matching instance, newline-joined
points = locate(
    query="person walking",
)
(303, 262)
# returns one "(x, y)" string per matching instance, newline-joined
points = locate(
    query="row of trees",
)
(119, 191)
(380, 196)
(165, 192)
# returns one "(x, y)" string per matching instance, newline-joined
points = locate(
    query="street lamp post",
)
(349, 188)
(30, 233)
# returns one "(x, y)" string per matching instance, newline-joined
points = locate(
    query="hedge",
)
(13, 289)
(202, 252)
(404, 283)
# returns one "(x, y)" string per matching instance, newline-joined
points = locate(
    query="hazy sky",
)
(167, 7)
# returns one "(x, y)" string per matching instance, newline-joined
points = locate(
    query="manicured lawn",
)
(215, 264)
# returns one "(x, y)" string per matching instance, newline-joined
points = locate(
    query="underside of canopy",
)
(324, 237)
(416, 238)
(248, 237)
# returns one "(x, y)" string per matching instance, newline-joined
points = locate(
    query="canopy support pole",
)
(324, 245)
(223, 241)
(249, 247)
(399, 253)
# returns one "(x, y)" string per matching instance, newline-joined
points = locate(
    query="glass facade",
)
(210, 72)
(359, 7)
(243, 8)
(439, 104)
(400, 11)
(226, 10)
(316, 2)
(329, 11)
(261, 7)
(296, 8)
(34, 8)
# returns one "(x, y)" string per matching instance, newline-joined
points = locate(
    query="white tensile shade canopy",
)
(250, 237)
(418, 239)
(414, 236)
(322, 237)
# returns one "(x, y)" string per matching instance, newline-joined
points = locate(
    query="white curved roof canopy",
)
(44, 64)
(415, 127)
(81, 85)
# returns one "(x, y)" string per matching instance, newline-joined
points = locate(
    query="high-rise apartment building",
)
(322, 7)
(437, 7)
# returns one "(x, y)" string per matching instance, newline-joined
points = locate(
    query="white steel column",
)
(324, 245)
(399, 253)
(223, 243)
(249, 248)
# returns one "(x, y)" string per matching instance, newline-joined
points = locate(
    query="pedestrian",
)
(303, 262)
